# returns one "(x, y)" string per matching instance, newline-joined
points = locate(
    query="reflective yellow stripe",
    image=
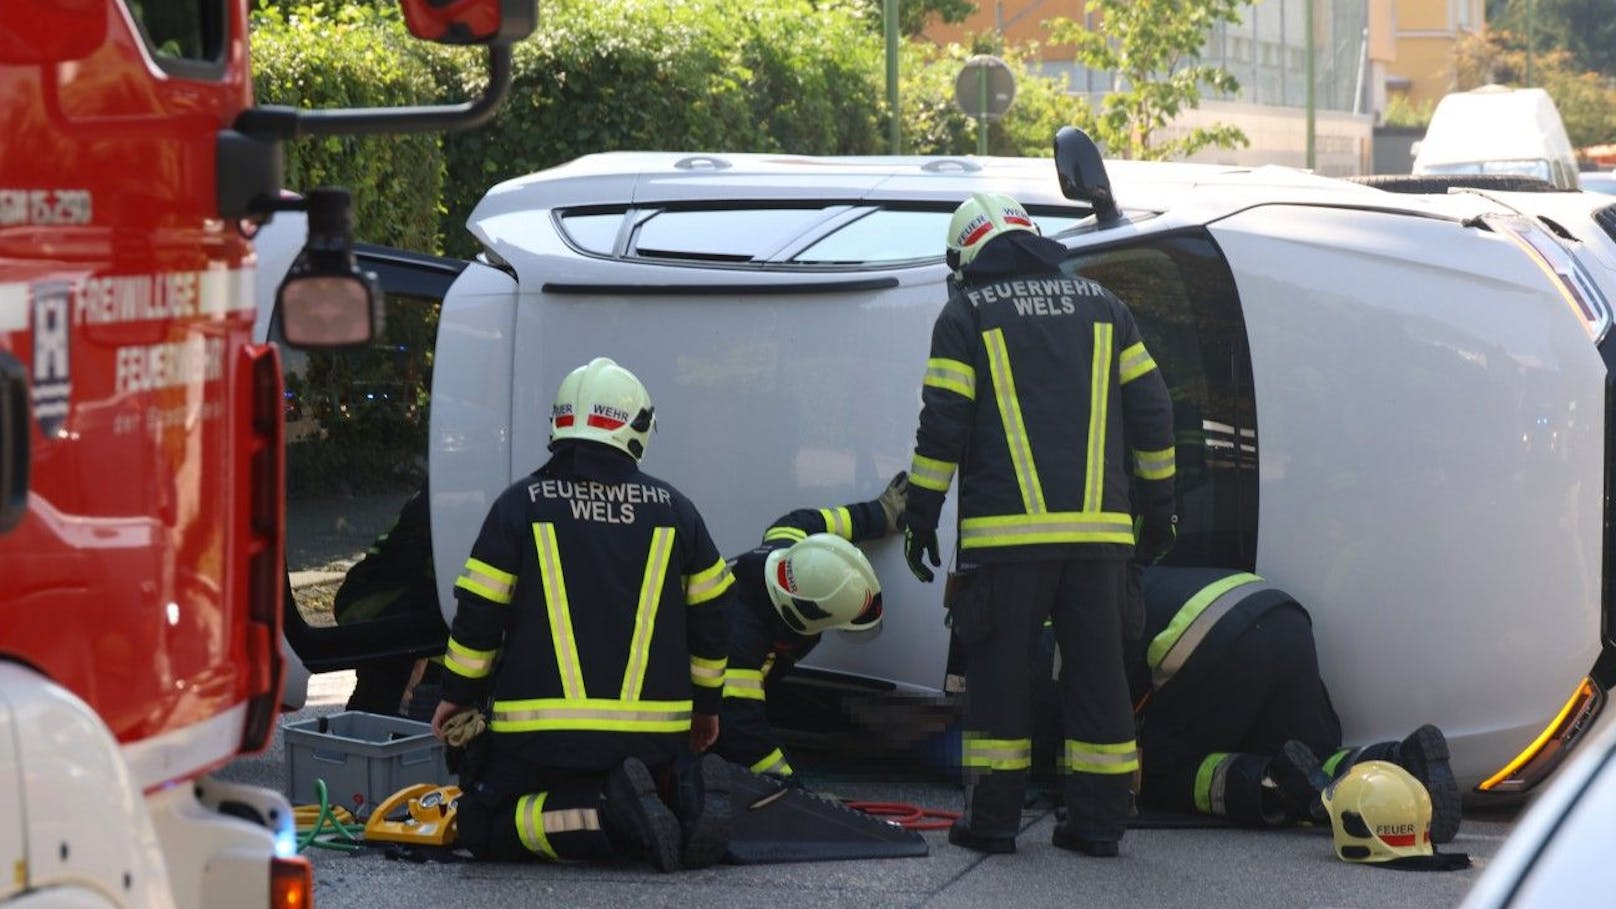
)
(1107, 758)
(555, 601)
(1134, 362)
(951, 375)
(1172, 647)
(1050, 527)
(486, 581)
(1209, 784)
(530, 824)
(780, 532)
(707, 673)
(838, 521)
(639, 648)
(590, 714)
(996, 754)
(1099, 401)
(930, 473)
(1153, 465)
(1015, 429)
(463, 661)
(773, 762)
(744, 683)
(708, 584)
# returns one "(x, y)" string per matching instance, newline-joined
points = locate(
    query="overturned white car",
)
(1395, 406)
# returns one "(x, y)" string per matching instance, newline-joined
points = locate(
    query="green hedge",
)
(710, 75)
(316, 55)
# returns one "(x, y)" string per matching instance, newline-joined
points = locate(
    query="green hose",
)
(328, 832)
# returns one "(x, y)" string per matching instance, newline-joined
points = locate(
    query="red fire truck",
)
(141, 451)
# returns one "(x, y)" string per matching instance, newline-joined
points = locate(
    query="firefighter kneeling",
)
(590, 620)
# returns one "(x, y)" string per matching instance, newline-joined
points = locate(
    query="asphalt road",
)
(1203, 868)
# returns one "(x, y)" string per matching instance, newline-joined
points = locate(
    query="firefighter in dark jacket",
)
(591, 613)
(1034, 381)
(805, 578)
(1234, 717)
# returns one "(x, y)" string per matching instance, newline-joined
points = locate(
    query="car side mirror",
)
(470, 21)
(327, 301)
(15, 420)
(51, 31)
(1081, 173)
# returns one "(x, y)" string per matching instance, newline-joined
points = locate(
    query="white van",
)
(1396, 406)
(1498, 130)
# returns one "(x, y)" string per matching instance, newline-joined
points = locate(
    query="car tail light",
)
(1550, 747)
(291, 884)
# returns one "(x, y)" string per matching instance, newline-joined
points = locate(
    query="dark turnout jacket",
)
(1040, 392)
(592, 610)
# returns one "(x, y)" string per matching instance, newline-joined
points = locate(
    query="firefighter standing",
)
(1234, 718)
(806, 577)
(591, 610)
(1033, 379)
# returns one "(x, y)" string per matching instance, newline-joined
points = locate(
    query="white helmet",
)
(979, 219)
(603, 402)
(822, 582)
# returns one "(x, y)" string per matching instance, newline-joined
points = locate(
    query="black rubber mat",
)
(774, 822)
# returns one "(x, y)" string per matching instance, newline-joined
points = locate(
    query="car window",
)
(725, 235)
(1183, 297)
(814, 236)
(187, 37)
(356, 445)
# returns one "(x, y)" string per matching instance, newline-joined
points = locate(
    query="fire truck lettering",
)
(136, 298)
(159, 366)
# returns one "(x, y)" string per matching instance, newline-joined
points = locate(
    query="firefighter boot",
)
(1424, 753)
(635, 818)
(1298, 781)
(702, 804)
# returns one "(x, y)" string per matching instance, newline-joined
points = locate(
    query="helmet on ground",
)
(979, 219)
(603, 402)
(1379, 812)
(822, 581)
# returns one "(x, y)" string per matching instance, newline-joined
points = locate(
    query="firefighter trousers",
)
(999, 620)
(1206, 741)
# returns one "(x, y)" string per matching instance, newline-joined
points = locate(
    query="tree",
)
(915, 15)
(1586, 100)
(1584, 28)
(1155, 51)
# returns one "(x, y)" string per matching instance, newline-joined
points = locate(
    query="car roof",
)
(1195, 193)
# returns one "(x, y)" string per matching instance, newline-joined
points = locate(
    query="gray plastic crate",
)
(363, 758)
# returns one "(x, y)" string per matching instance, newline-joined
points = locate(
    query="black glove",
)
(916, 542)
(1154, 534)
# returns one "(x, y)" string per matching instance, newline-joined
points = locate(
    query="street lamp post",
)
(889, 12)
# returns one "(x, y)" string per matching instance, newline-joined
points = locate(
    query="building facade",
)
(1363, 51)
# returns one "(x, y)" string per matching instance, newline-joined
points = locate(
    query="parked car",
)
(1396, 406)
(1557, 854)
(1498, 130)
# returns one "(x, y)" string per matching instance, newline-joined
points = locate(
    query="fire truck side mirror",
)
(470, 21)
(327, 301)
(50, 31)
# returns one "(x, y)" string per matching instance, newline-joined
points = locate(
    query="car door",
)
(356, 428)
